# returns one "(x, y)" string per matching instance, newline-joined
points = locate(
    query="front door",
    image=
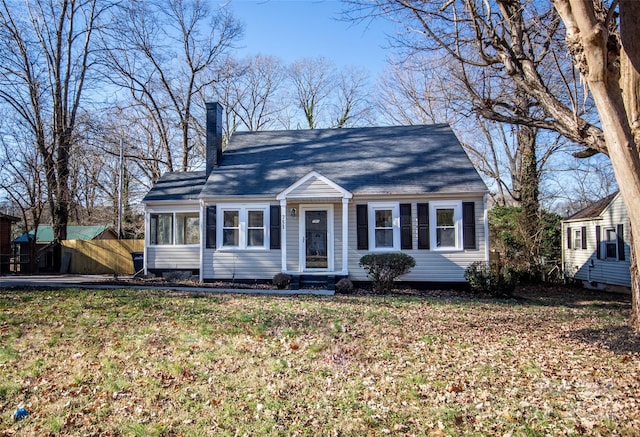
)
(316, 238)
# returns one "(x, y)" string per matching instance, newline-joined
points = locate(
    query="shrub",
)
(484, 278)
(344, 285)
(281, 280)
(384, 268)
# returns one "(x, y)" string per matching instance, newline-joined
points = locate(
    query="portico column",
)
(283, 233)
(345, 236)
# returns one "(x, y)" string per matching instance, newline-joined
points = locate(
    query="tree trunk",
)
(630, 84)
(529, 184)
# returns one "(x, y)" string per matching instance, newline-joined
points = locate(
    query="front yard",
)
(130, 362)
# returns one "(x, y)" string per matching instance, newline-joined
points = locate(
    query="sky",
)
(296, 29)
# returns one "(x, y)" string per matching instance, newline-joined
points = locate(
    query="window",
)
(577, 239)
(188, 228)
(231, 228)
(174, 228)
(243, 227)
(255, 229)
(384, 234)
(446, 231)
(611, 244)
(161, 229)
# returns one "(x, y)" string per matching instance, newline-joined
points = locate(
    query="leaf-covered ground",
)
(131, 362)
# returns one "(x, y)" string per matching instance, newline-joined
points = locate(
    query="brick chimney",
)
(214, 135)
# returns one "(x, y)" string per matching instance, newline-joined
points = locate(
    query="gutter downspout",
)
(202, 226)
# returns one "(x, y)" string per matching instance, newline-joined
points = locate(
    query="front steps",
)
(327, 282)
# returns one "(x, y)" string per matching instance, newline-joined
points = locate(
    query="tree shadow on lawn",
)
(618, 339)
(572, 297)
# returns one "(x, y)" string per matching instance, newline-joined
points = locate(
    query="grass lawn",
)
(145, 363)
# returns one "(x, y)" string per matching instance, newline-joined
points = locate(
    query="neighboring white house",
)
(313, 202)
(596, 244)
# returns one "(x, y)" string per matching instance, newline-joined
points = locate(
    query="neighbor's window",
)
(446, 231)
(161, 229)
(243, 227)
(577, 239)
(385, 232)
(611, 243)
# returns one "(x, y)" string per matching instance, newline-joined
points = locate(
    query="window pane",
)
(446, 237)
(231, 219)
(161, 225)
(577, 240)
(255, 237)
(444, 217)
(230, 237)
(384, 237)
(187, 228)
(384, 218)
(256, 219)
(611, 245)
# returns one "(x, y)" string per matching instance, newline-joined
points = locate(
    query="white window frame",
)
(577, 238)
(174, 227)
(395, 212)
(434, 206)
(243, 217)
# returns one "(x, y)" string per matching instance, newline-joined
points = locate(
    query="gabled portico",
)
(314, 242)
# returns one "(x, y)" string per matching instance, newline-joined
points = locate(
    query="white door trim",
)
(330, 236)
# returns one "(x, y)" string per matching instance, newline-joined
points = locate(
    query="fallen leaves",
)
(140, 362)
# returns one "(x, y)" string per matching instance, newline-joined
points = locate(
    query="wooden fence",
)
(101, 256)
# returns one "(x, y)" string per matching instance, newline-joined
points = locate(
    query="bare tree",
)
(164, 53)
(256, 93)
(44, 65)
(352, 104)
(312, 81)
(411, 92)
(21, 178)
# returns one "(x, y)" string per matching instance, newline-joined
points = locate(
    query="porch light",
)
(292, 212)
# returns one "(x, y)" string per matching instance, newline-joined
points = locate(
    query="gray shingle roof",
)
(402, 160)
(374, 160)
(177, 186)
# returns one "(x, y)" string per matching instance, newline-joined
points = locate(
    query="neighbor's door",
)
(316, 238)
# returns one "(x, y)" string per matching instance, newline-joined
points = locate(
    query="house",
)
(596, 249)
(6, 221)
(313, 202)
(44, 240)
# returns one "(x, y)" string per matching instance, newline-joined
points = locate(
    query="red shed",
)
(5, 241)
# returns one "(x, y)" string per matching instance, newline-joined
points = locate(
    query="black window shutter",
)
(598, 245)
(423, 226)
(583, 234)
(568, 238)
(211, 227)
(469, 225)
(362, 227)
(620, 235)
(274, 227)
(406, 239)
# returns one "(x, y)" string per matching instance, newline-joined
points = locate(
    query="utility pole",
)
(120, 188)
